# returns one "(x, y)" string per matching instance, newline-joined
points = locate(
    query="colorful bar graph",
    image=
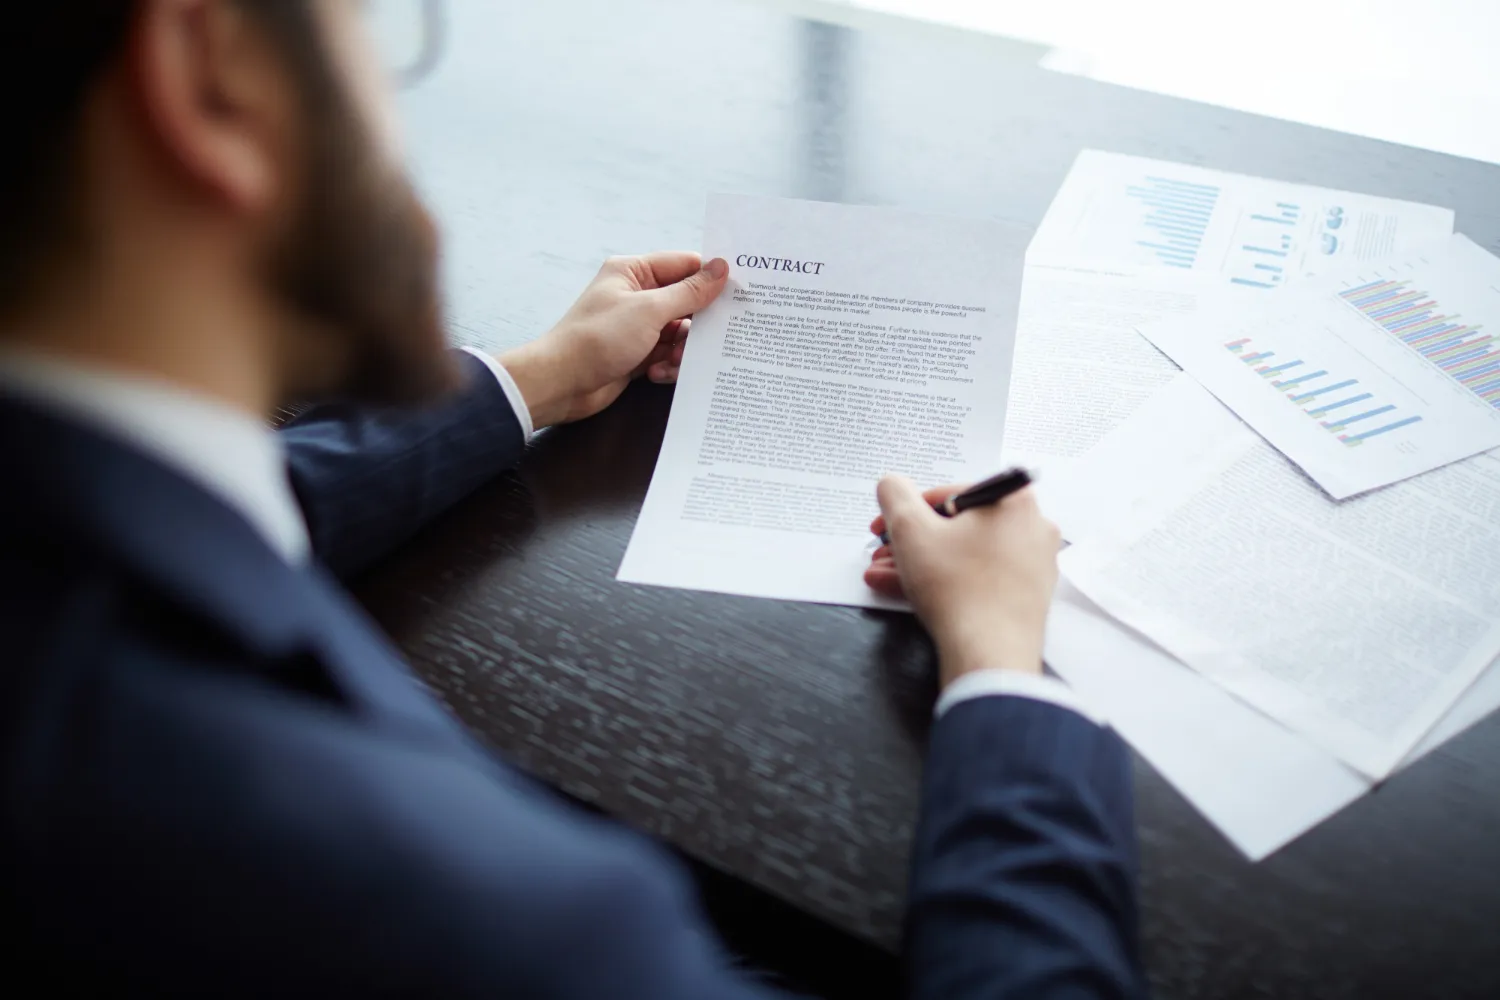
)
(1460, 350)
(1176, 218)
(1304, 391)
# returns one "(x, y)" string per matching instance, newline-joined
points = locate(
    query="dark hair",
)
(51, 53)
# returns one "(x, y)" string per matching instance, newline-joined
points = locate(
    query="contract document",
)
(1390, 371)
(1130, 241)
(851, 342)
(1357, 624)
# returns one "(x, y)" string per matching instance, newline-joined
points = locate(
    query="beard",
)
(359, 261)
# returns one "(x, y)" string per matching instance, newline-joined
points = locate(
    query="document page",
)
(1357, 624)
(850, 342)
(1080, 366)
(1252, 232)
(1390, 372)
(1258, 782)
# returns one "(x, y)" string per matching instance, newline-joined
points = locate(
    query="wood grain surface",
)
(782, 743)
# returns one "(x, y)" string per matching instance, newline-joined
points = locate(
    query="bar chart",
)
(1176, 218)
(1362, 381)
(1462, 351)
(1339, 405)
(1267, 239)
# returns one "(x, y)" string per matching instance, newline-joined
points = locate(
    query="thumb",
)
(692, 293)
(903, 506)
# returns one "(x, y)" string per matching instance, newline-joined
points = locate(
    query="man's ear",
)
(217, 101)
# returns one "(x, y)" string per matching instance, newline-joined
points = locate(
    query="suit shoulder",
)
(217, 810)
(54, 602)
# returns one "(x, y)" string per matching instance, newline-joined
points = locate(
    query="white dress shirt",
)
(238, 458)
(230, 453)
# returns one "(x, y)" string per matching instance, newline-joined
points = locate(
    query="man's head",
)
(227, 162)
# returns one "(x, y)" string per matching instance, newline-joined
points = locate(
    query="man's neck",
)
(186, 339)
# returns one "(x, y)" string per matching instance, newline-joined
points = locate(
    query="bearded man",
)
(219, 779)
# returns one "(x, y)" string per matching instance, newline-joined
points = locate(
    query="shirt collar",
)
(234, 456)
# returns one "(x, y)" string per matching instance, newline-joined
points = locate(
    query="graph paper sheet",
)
(1355, 624)
(1363, 380)
(1128, 211)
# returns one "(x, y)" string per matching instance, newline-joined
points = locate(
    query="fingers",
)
(1023, 509)
(1022, 503)
(666, 360)
(668, 267)
(903, 506)
(1022, 499)
(932, 496)
(881, 576)
(692, 293)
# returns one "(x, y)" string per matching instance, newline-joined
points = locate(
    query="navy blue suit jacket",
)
(219, 779)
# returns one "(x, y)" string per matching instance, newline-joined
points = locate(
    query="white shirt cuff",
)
(512, 391)
(989, 683)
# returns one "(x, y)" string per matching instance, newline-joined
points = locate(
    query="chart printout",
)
(1128, 211)
(1363, 380)
(1129, 241)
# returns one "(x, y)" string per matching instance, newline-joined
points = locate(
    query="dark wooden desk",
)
(782, 743)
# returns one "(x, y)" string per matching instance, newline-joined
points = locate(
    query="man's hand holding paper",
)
(631, 321)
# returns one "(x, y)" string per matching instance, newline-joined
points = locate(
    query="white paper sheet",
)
(1128, 211)
(1357, 624)
(1081, 367)
(1390, 372)
(1259, 783)
(885, 349)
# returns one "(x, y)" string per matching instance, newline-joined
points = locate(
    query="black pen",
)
(984, 494)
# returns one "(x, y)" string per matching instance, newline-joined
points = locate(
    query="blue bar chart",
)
(1339, 405)
(1176, 218)
(1267, 238)
(1462, 351)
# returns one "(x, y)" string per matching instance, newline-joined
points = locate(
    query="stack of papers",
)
(1262, 413)
(1283, 600)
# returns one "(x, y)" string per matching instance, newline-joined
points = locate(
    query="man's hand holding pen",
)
(981, 582)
